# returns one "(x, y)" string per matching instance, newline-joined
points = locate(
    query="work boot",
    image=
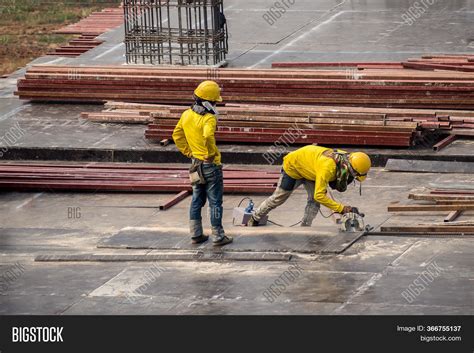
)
(220, 238)
(310, 213)
(197, 235)
(252, 222)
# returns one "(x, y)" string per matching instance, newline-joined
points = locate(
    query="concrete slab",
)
(35, 304)
(51, 289)
(245, 240)
(369, 278)
(399, 309)
(391, 288)
(161, 306)
(18, 241)
(370, 254)
(403, 165)
(452, 256)
(178, 255)
(245, 281)
(306, 31)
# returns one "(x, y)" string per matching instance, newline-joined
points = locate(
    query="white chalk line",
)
(29, 200)
(108, 51)
(301, 36)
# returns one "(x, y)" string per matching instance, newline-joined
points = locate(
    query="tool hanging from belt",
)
(196, 175)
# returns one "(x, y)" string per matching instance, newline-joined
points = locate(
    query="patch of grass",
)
(5, 40)
(26, 27)
(53, 38)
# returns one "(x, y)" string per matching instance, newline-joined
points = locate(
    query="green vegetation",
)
(26, 27)
(41, 12)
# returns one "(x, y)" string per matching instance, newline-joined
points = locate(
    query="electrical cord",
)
(293, 225)
(240, 203)
(322, 214)
(269, 221)
(278, 224)
(245, 198)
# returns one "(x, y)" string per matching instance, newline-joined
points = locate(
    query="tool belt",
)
(196, 175)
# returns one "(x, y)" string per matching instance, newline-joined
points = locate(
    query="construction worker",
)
(316, 167)
(194, 137)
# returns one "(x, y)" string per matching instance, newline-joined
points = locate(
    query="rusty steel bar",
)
(98, 177)
(175, 199)
(453, 215)
(444, 142)
(424, 208)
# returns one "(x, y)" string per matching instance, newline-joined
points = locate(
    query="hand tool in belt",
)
(196, 175)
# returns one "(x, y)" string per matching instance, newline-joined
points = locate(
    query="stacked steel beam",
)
(105, 177)
(121, 112)
(322, 125)
(299, 125)
(77, 46)
(463, 63)
(369, 88)
(306, 124)
(88, 29)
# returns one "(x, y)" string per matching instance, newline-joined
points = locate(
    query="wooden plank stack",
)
(456, 202)
(462, 63)
(127, 113)
(370, 88)
(106, 177)
(309, 124)
(295, 125)
(453, 122)
(313, 124)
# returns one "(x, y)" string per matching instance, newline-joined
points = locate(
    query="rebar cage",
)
(175, 32)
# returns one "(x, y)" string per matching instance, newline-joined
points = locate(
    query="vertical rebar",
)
(185, 32)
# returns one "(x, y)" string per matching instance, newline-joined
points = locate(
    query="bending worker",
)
(194, 137)
(316, 167)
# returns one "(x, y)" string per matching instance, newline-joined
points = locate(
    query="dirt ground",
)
(26, 27)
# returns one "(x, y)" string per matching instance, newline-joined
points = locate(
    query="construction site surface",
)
(95, 199)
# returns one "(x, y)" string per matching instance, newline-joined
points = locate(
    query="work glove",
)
(349, 209)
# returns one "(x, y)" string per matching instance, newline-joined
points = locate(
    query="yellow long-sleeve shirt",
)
(309, 163)
(194, 136)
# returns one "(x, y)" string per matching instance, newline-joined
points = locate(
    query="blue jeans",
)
(213, 190)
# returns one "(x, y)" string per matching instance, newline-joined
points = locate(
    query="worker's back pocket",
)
(212, 172)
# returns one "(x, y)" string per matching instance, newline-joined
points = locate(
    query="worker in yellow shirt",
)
(194, 137)
(316, 167)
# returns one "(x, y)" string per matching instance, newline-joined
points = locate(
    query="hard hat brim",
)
(361, 178)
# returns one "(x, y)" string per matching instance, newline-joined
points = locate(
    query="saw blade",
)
(352, 223)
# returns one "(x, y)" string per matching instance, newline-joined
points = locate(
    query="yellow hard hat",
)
(209, 91)
(361, 164)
